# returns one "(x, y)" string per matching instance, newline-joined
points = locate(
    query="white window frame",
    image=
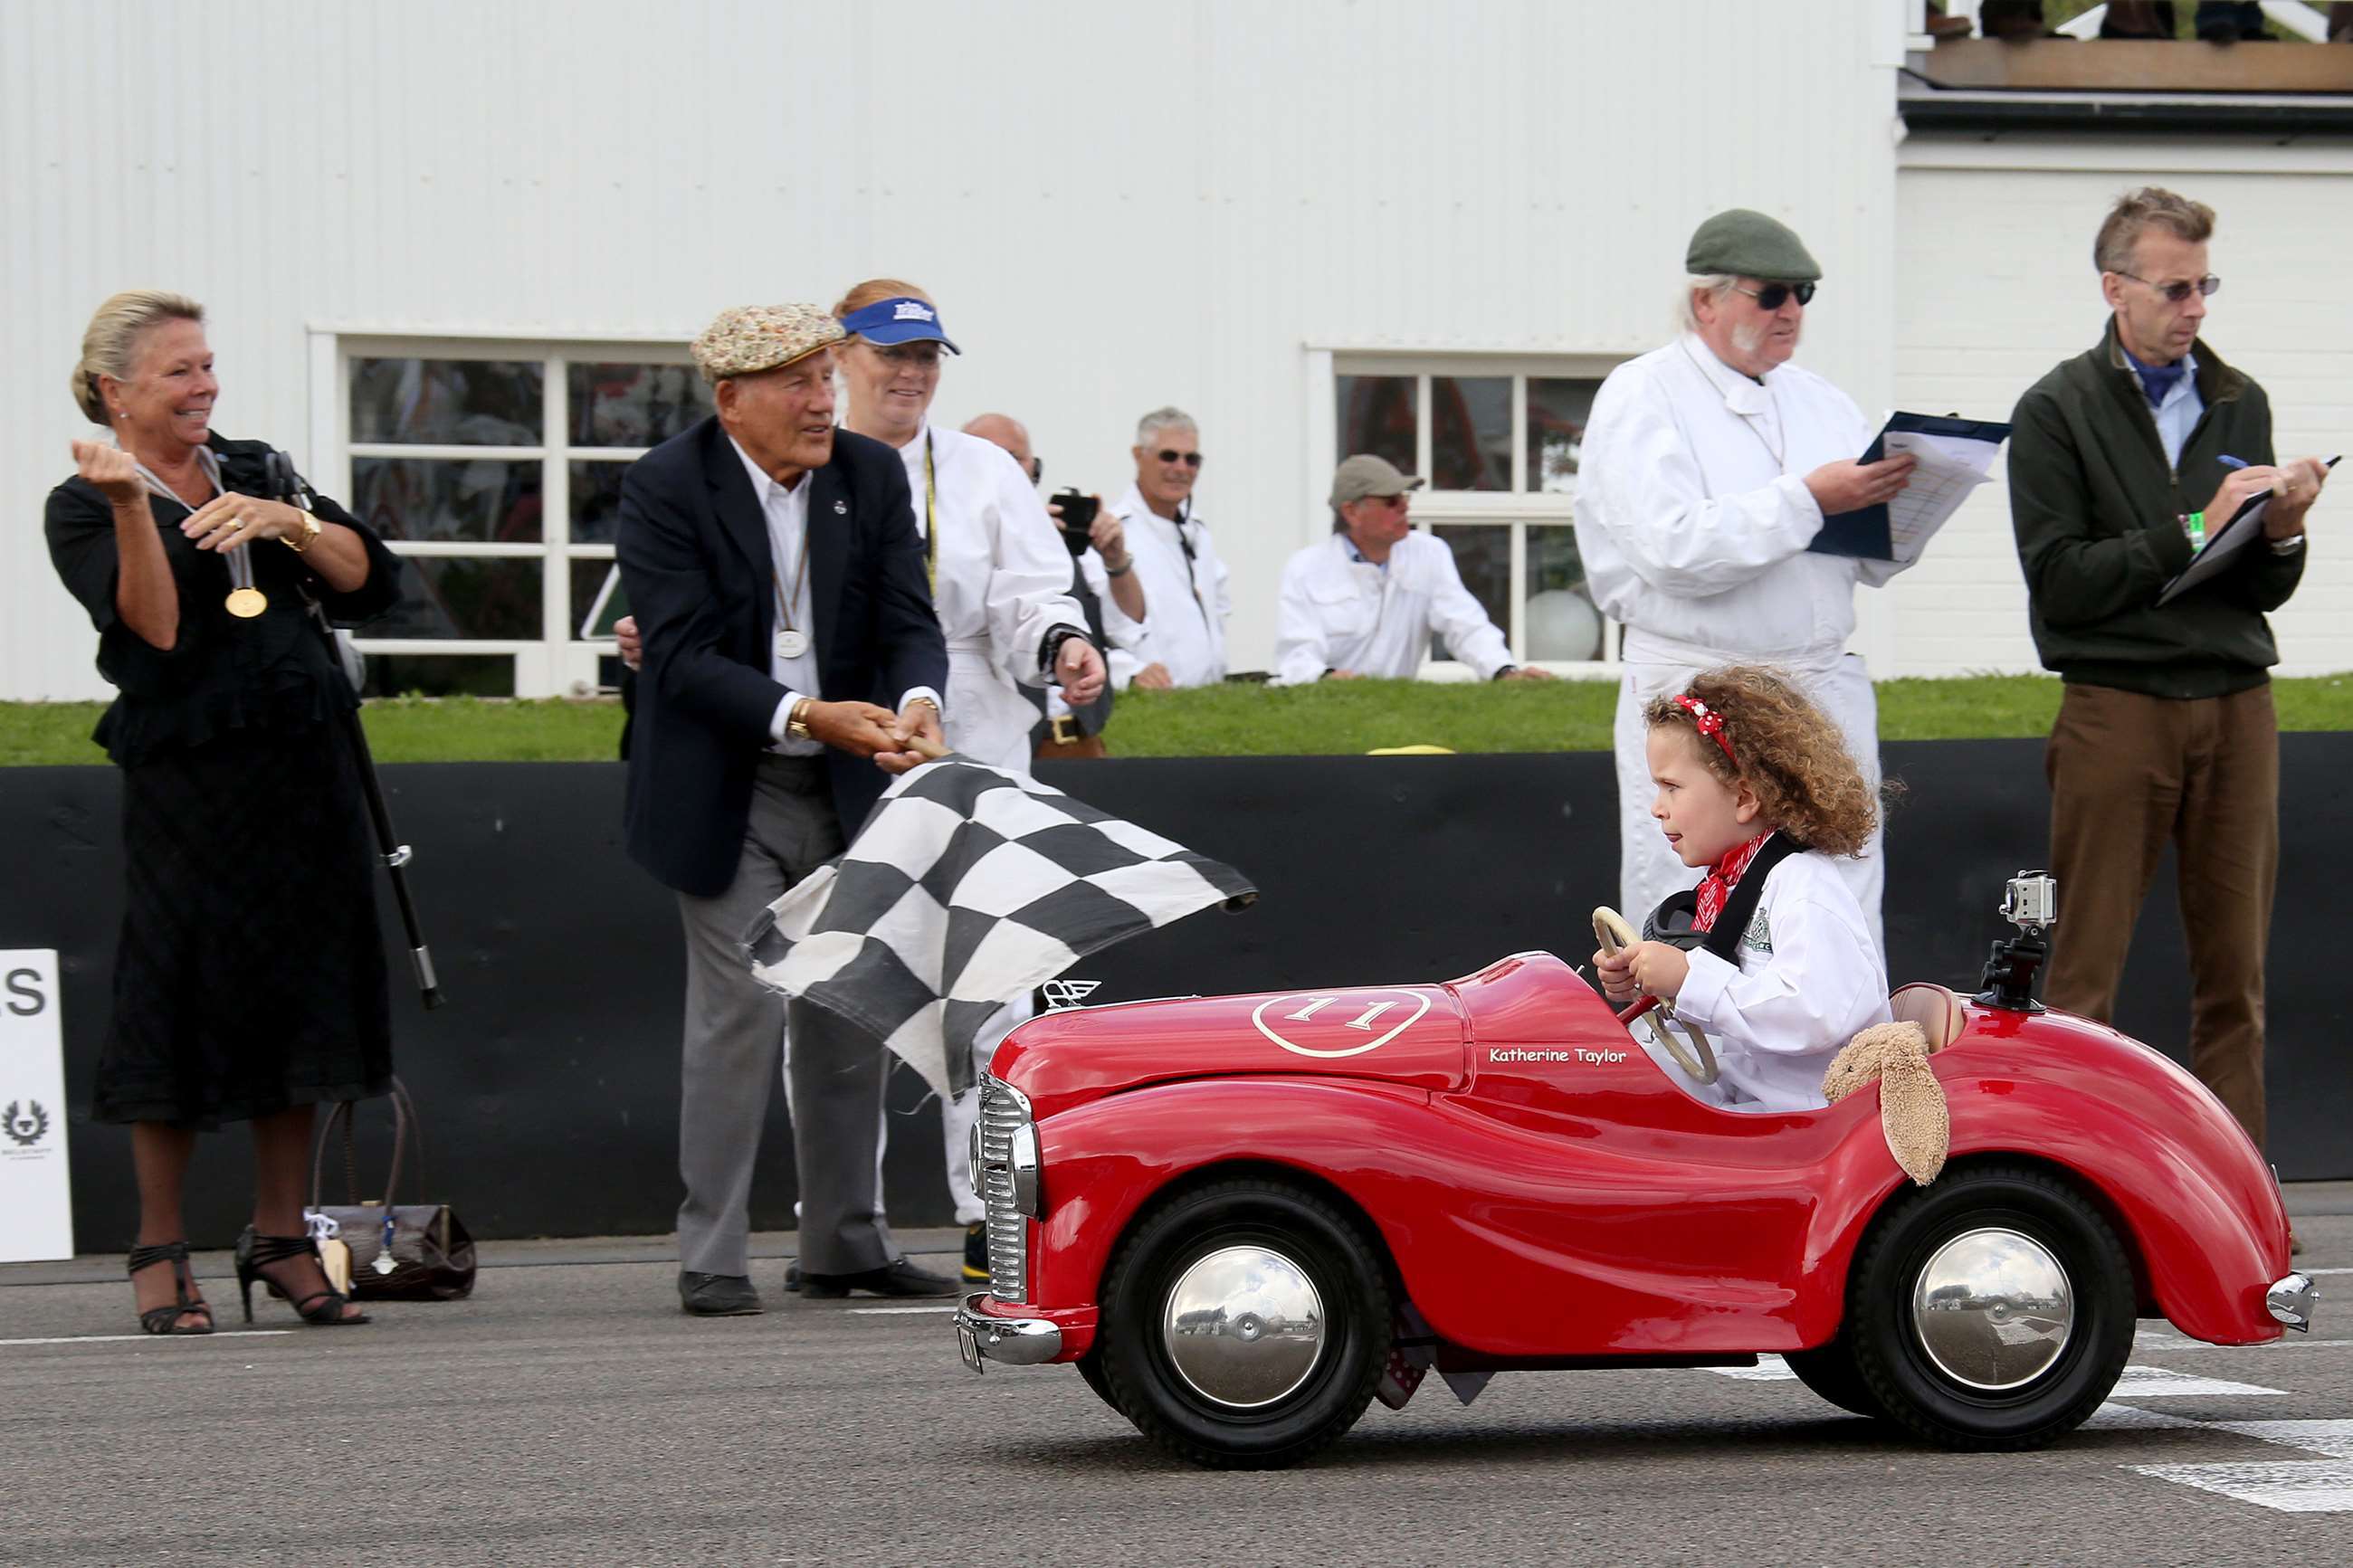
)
(559, 662)
(1516, 508)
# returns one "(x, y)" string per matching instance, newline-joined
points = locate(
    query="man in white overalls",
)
(1708, 466)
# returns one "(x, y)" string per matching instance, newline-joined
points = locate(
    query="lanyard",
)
(785, 602)
(931, 518)
(240, 564)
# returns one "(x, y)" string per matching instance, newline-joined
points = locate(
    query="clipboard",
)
(2224, 545)
(1868, 531)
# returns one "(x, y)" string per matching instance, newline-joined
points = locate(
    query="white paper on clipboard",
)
(2245, 526)
(610, 606)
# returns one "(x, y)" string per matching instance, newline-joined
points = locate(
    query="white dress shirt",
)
(787, 512)
(1001, 583)
(1809, 980)
(1693, 515)
(1340, 611)
(1186, 602)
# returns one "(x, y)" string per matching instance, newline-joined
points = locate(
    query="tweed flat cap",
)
(1364, 475)
(753, 338)
(1744, 244)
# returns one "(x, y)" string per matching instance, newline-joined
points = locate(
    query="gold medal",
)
(247, 603)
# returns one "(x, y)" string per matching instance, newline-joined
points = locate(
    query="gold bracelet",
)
(797, 721)
(309, 532)
(926, 702)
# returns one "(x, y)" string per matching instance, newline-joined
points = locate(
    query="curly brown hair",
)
(1787, 751)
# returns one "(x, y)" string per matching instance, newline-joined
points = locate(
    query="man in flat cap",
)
(1365, 601)
(791, 660)
(1708, 466)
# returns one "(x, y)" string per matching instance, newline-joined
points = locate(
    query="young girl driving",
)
(1755, 783)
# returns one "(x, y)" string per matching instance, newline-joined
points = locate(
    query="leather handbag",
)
(406, 1251)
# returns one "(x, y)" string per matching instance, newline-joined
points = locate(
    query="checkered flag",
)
(966, 888)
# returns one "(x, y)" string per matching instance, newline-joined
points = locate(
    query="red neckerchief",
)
(1717, 885)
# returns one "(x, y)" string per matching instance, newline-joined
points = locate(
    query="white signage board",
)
(35, 1193)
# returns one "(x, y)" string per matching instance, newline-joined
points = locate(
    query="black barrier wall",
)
(549, 1085)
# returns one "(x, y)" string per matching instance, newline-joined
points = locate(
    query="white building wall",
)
(1994, 253)
(1117, 206)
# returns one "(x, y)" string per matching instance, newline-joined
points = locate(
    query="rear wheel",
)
(1244, 1325)
(1993, 1310)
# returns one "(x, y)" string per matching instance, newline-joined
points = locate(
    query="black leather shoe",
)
(900, 1278)
(793, 1277)
(716, 1295)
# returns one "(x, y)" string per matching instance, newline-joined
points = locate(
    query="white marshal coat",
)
(1002, 583)
(1339, 611)
(1809, 979)
(1185, 602)
(1693, 519)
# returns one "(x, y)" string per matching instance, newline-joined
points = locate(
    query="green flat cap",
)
(1744, 243)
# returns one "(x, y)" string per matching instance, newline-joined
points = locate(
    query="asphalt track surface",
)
(568, 1414)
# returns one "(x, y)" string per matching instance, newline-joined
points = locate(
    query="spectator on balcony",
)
(1176, 564)
(1708, 468)
(2121, 460)
(1365, 601)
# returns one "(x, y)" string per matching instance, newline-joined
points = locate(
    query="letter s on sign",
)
(33, 1000)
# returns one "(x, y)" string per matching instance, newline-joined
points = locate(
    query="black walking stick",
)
(287, 485)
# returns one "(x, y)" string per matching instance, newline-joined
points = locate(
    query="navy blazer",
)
(694, 547)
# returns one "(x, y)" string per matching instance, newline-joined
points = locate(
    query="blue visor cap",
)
(904, 320)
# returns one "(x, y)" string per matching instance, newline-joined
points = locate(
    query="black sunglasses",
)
(1772, 296)
(2175, 293)
(1190, 459)
(1037, 470)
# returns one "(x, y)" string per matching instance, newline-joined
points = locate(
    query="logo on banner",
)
(25, 1123)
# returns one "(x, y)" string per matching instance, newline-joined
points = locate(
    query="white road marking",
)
(2289, 1486)
(2164, 1345)
(2325, 1271)
(110, 1339)
(2164, 1382)
(1768, 1369)
(2330, 1440)
(2114, 1417)
(895, 1312)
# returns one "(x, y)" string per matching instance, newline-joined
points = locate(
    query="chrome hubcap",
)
(1993, 1310)
(1243, 1326)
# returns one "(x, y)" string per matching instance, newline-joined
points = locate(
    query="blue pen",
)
(2229, 462)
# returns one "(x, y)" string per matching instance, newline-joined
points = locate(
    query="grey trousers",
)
(734, 1033)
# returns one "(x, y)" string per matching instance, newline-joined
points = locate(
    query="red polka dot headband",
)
(1708, 722)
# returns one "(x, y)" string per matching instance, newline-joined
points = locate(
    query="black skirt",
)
(251, 973)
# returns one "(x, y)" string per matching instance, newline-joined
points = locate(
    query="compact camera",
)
(1078, 518)
(2030, 901)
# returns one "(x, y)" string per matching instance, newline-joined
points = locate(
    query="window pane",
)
(1558, 411)
(441, 674)
(1377, 415)
(448, 402)
(1562, 623)
(596, 501)
(452, 597)
(489, 502)
(634, 404)
(1482, 553)
(1470, 433)
(587, 581)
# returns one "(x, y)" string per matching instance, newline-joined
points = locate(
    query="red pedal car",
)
(1237, 1215)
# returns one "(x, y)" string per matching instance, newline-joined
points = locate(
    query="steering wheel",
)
(1609, 927)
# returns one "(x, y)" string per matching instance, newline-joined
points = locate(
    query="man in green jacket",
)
(2124, 462)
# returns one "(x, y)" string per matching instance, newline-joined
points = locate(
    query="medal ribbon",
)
(240, 564)
(785, 602)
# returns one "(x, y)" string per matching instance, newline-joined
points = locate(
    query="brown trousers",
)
(2127, 773)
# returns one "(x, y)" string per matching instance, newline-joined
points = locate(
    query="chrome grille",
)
(1002, 1112)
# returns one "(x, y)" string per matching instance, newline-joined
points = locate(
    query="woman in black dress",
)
(249, 985)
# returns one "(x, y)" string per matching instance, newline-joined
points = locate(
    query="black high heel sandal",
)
(255, 1252)
(166, 1319)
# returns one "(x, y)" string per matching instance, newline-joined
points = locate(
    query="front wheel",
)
(1244, 1325)
(1993, 1310)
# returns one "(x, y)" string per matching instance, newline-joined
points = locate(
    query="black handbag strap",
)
(406, 1131)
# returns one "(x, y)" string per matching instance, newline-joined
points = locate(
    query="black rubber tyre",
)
(1327, 1246)
(1830, 1371)
(1090, 1367)
(1895, 1367)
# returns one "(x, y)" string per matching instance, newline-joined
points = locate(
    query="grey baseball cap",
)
(1364, 475)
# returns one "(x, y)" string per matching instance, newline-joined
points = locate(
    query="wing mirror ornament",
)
(2030, 902)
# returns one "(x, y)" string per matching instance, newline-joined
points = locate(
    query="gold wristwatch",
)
(797, 721)
(302, 542)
